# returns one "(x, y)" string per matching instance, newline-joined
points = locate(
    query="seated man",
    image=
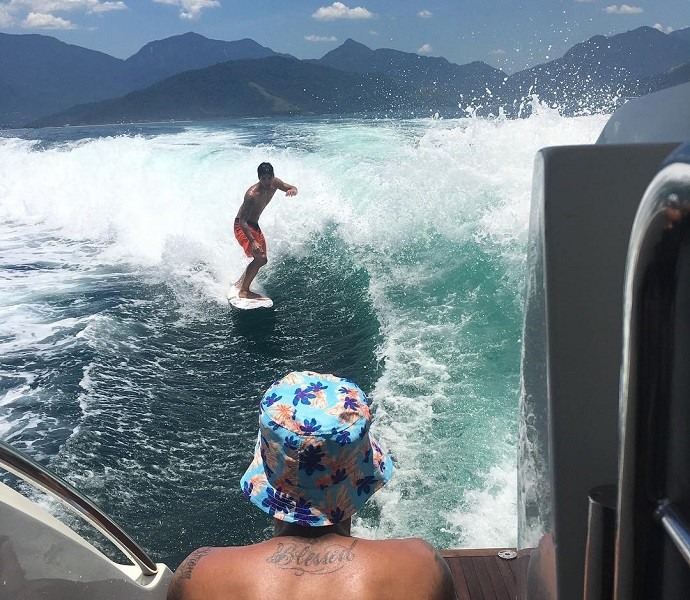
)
(315, 465)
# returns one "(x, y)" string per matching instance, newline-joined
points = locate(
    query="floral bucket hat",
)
(315, 463)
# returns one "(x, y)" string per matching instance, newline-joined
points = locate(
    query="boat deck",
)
(484, 575)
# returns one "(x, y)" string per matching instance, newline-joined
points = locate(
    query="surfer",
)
(247, 230)
(315, 465)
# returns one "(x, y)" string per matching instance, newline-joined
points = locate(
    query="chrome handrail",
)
(656, 349)
(29, 470)
(676, 527)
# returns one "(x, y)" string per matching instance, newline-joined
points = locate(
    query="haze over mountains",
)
(46, 82)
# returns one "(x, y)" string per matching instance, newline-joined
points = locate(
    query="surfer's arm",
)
(289, 189)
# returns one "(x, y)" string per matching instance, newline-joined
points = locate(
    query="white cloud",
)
(320, 38)
(191, 9)
(425, 49)
(39, 14)
(374, 33)
(425, 14)
(623, 9)
(108, 6)
(338, 10)
(51, 6)
(663, 29)
(498, 52)
(45, 21)
(585, 0)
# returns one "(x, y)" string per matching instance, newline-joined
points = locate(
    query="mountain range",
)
(46, 82)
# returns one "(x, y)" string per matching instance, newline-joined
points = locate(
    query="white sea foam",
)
(24, 328)
(18, 391)
(487, 517)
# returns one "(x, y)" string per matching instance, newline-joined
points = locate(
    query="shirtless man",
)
(315, 465)
(247, 231)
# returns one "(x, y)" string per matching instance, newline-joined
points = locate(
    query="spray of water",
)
(434, 211)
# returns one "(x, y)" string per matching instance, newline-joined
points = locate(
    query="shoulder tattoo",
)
(192, 561)
(184, 571)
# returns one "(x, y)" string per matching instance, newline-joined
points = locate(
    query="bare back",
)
(309, 569)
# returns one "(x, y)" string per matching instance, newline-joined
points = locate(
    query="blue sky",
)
(511, 35)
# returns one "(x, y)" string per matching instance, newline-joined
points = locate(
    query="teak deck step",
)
(483, 575)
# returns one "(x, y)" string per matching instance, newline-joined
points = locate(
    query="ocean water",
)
(400, 264)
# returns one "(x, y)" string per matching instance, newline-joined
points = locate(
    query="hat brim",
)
(316, 508)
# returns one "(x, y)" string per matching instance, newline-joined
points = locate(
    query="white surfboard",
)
(248, 303)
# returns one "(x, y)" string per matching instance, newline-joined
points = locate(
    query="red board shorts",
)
(244, 241)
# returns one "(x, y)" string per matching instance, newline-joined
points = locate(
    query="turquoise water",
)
(399, 264)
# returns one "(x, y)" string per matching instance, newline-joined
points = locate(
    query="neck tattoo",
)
(310, 558)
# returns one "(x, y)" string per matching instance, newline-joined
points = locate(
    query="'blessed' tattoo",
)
(312, 560)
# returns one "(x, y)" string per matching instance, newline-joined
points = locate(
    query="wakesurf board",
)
(247, 303)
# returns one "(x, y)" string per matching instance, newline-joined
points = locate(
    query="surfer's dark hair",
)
(265, 169)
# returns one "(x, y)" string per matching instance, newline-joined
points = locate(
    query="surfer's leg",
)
(249, 274)
(252, 269)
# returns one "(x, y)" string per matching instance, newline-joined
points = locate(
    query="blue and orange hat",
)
(315, 462)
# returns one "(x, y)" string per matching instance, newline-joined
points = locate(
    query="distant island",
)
(45, 82)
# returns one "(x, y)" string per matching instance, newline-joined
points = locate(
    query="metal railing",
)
(32, 472)
(654, 494)
(676, 528)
